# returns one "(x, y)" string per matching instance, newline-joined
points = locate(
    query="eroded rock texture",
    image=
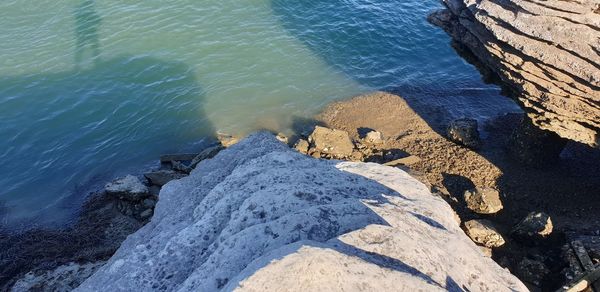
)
(548, 52)
(262, 217)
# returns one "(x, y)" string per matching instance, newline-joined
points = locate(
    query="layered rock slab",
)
(262, 217)
(548, 52)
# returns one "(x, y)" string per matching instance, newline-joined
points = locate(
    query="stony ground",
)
(95, 237)
(568, 191)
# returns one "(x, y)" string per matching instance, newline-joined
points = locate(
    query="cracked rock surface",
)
(548, 52)
(260, 216)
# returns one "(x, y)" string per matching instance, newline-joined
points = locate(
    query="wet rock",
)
(535, 225)
(483, 232)
(483, 201)
(167, 158)
(146, 214)
(591, 244)
(136, 210)
(465, 132)
(154, 191)
(127, 188)
(162, 177)
(302, 146)
(128, 208)
(64, 278)
(374, 137)
(534, 146)
(207, 153)
(181, 167)
(330, 142)
(532, 271)
(149, 203)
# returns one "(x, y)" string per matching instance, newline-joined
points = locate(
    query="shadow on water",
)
(67, 132)
(64, 134)
(380, 46)
(87, 24)
(391, 47)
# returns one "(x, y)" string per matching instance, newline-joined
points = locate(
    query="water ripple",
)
(93, 89)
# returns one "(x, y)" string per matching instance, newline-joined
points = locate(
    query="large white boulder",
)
(262, 217)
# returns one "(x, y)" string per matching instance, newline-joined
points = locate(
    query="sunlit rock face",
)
(262, 217)
(548, 52)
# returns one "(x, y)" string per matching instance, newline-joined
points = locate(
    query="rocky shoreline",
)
(525, 227)
(565, 190)
(546, 52)
(526, 196)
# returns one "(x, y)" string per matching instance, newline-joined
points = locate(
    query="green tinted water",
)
(94, 89)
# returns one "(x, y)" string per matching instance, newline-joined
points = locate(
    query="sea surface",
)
(90, 90)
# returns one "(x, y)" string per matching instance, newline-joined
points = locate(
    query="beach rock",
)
(154, 191)
(591, 244)
(483, 201)
(262, 217)
(357, 156)
(535, 225)
(146, 214)
(545, 52)
(149, 203)
(227, 140)
(64, 278)
(168, 158)
(374, 137)
(330, 142)
(282, 138)
(532, 271)
(207, 153)
(127, 188)
(483, 232)
(180, 166)
(465, 132)
(162, 177)
(302, 146)
(533, 146)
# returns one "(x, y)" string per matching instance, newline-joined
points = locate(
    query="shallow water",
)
(94, 89)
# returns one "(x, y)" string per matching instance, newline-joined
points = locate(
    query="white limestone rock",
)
(262, 217)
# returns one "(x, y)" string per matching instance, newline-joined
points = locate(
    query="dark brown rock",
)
(162, 177)
(302, 146)
(483, 201)
(465, 131)
(532, 271)
(534, 146)
(484, 232)
(330, 142)
(535, 225)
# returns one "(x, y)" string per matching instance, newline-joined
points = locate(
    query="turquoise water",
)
(90, 90)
